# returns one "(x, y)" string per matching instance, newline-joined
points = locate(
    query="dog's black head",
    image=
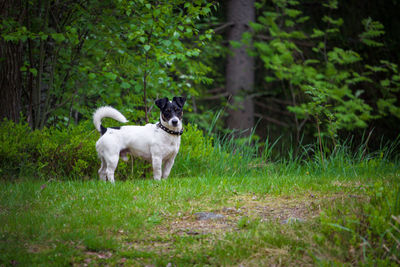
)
(171, 111)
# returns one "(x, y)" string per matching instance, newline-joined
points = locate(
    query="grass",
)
(142, 222)
(339, 209)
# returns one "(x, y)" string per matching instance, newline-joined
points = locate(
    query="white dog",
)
(157, 143)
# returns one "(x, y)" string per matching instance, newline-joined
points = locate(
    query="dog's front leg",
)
(156, 162)
(167, 166)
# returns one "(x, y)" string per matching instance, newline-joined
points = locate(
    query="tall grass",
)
(248, 155)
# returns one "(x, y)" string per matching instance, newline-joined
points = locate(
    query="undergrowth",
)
(70, 153)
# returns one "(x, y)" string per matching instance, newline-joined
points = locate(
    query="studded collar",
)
(159, 125)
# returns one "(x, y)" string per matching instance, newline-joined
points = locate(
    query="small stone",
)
(192, 233)
(208, 216)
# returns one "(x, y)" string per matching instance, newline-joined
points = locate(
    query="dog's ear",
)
(161, 102)
(179, 100)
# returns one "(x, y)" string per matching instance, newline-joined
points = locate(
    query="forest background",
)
(297, 71)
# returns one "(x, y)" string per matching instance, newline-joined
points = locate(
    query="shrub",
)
(70, 153)
(17, 147)
(194, 153)
(49, 152)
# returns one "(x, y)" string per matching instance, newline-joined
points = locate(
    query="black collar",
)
(159, 125)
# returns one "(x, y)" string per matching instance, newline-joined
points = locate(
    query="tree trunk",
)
(11, 62)
(240, 67)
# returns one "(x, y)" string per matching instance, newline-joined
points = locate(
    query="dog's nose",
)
(174, 122)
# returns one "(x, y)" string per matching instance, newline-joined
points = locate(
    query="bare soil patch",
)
(275, 209)
(268, 208)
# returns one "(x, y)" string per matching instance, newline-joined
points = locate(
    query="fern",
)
(373, 29)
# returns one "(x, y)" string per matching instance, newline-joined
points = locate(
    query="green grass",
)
(341, 208)
(142, 221)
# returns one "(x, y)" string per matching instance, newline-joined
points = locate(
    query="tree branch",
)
(275, 121)
(223, 26)
(284, 112)
(298, 42)
(280, 101)
(60, 104)
(213, 97)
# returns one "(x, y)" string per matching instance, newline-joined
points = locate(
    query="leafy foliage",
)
(326, 82)
(78, 55)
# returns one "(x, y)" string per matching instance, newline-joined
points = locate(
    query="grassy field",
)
(266, 217)
(305, 207)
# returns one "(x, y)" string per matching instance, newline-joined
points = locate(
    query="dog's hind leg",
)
(102, 170)
(112, 163)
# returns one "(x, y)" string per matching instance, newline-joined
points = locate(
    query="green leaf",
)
(142, 39)
(373, 29)
(166, 42)
(292, 12)
(156, 12)
(138, 87)
(256, 26)
(329, 20)
(385, 83)
(110, 75)
(125, 85)
(332, 4)
(189, 32)
(302, 19)
(147, 47)
(58, 37)
(289, 23)
(317, 33)
(33, 71)
(235, 44)
(43, 36)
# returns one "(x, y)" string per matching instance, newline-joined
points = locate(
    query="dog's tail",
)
(108, 112)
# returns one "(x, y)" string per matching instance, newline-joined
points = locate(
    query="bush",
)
(17, 147)
(70, 153)
(49, 152)
(194, 153)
